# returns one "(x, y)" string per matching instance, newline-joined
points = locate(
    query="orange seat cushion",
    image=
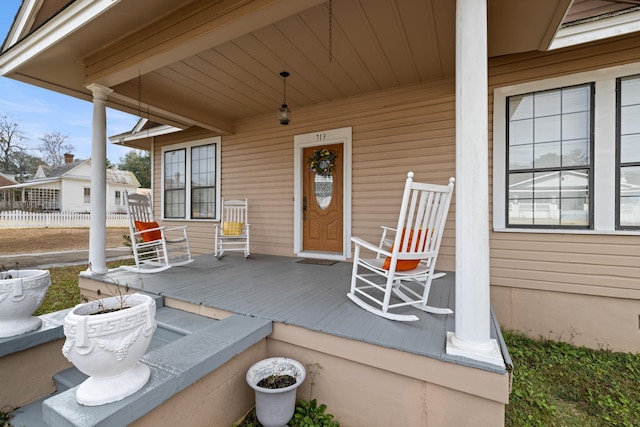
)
(232, 228)
(150, 236)
(404, 264)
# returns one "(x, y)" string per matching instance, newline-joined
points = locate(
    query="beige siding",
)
(581, 288)
(411, 128)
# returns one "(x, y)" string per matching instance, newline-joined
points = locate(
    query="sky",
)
(39, 111)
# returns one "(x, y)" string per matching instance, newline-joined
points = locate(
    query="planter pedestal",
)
(275, 407)
(20, 296)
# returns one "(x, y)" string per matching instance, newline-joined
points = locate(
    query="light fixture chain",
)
(330, 30)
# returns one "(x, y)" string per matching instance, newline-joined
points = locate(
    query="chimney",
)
(68, 158)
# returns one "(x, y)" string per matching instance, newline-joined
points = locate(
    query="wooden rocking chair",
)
(232, 234)
(154, 248)
(405, 266)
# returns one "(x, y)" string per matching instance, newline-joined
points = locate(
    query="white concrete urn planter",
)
(21, 293)
(275, 406)
(108, 346)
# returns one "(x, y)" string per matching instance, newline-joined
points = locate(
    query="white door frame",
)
(300, 142)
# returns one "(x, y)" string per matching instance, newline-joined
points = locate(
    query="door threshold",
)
(322, 255)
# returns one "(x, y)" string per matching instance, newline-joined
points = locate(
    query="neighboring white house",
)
(67, 188)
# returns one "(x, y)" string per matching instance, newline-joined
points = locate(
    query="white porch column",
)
(98, 223)
(472, 311)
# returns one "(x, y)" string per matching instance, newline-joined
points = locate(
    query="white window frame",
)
(84, 195)
(188, 145)
(604, 153)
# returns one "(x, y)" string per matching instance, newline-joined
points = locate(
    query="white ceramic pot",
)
(21, 293)
(275, 407)
(108, 347)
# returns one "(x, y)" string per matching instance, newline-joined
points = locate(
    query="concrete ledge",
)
(50, 330)
(174, 367)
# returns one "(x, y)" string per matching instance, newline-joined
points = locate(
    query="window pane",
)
(575, 99)
(575, 126)
(521, 198)
(521, 157)
(547, 129)
(547, 155)
(521, 132)
(203, 180)
(174, 205)
(630, 90)
(547, 103)
(575, 197)
(630, 148)
(630, 196)
(175, 183)
(629, 119)
(575, 153)
(174, 169)
(520, 107)
(203, 203)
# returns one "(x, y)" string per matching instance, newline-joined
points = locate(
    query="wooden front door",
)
(322, 204)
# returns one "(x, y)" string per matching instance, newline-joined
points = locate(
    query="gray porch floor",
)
(311, 296)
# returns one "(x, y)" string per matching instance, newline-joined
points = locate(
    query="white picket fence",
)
(22, 219)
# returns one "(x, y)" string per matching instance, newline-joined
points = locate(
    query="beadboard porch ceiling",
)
(210, 63)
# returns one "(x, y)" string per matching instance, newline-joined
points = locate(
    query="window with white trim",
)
(549, 166)
(86, 195)
(566, 153)
(190, 179)
(628, 153)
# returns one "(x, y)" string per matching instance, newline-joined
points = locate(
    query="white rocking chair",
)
(232, 234)
(154, 248)
(404, 266)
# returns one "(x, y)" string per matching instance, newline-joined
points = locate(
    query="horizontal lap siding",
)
(412, 128)
(607, 265)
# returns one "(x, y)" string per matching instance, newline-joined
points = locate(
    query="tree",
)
(10, 137)
(138, 162)
(53, 148)
(25, 165)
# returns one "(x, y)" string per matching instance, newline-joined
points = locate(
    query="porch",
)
(369, 364)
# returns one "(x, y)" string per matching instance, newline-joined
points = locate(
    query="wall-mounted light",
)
(284, 115)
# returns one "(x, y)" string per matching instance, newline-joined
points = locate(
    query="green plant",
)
(559, 384)
(64, 291)
(322, 162)
(4, 273)
(309, 414)
(5, 416)
(117, 291)
(313, 370)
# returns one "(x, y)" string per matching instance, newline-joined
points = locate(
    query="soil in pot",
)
(277, 381)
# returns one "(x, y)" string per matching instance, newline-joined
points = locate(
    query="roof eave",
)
(16, 53)
(598, 29)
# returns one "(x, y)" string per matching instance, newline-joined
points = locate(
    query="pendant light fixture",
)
(284, 115)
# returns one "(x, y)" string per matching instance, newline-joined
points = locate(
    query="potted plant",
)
(275, 381)
(21, 293)
(105, 339)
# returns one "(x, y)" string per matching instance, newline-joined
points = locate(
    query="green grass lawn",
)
(554, 384)
(557, 384)
(64, 292)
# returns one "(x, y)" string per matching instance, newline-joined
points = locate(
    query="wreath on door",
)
(322, 162)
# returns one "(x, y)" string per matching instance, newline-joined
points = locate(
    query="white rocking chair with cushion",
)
(155, 248)
(232, 234)
(405, 266)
